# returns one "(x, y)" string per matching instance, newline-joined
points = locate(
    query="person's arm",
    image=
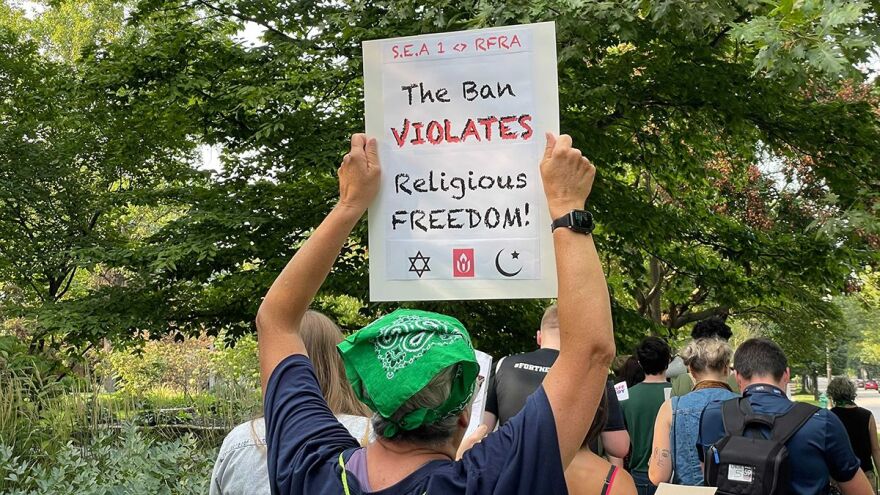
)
(615, 438)
(875, 443)
(576, 380)
(660, 463)
(859, 485)
(615, 443)
(490, 413)
(279, 316)
(490, 421)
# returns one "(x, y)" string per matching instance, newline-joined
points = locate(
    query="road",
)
(870, 399)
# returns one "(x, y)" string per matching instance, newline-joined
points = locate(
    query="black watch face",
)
(581, 220)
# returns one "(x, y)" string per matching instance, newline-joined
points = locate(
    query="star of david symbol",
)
(419, 270)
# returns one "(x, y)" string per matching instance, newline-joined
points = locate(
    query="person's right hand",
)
(474, 438)
(567, 176)
(359, 173)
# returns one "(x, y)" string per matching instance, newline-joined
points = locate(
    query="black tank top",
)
(855, 419)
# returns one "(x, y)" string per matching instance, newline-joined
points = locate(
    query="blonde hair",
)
(320, 336)
(708, 354)
(550, 320)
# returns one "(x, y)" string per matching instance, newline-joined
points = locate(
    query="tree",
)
(74, 161)
(736, 175)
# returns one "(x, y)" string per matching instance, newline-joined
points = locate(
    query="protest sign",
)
(460, 119)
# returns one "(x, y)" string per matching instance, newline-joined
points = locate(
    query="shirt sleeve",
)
(615, 415)
(491, 395)
(839, 456)
(529, 446)
(301, 431)
(217, 475)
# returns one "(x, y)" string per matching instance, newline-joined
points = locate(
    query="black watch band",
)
(579, 221)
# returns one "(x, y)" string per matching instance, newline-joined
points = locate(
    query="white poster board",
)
(667, 489)
(479, 404)
(460, 119)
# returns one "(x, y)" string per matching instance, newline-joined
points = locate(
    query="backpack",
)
(741, 465)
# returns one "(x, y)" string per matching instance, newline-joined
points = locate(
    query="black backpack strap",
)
(733, 415)
(792, 421)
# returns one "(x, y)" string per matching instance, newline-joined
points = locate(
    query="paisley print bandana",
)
(396, 356)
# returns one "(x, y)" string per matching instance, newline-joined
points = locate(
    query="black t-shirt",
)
(518, 376)
(856, 421)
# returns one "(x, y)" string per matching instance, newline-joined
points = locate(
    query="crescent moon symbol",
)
(501, 270)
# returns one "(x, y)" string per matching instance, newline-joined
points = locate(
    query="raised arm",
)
(576, 380)
(279, 316)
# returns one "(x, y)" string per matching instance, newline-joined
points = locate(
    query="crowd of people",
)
(385, 410)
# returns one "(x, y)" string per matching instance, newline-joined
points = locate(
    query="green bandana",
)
(396, 356)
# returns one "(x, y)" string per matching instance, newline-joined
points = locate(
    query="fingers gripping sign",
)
(359, 173)
(567, 175)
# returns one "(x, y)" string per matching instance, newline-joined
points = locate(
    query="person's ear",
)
(740, 382)
(538, 338)
(464, 418)
(786, 377)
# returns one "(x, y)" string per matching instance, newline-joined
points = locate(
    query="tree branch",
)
(699, 315)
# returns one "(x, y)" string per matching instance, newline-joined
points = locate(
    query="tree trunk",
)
(827, 362)
(654, 305)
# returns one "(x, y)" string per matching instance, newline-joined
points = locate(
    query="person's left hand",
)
(359, 173)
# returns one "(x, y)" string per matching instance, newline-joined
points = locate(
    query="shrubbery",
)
(129, 463)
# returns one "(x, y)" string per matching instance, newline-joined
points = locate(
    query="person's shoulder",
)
(712, 411)
(624, 484)
(825, 418)
(247, 434)
(358, 426)
(532, 355)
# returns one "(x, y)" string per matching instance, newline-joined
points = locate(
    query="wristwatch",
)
(579, 221)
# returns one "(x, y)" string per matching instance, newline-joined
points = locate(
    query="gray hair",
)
(707, 354)
(432, 396)
(841, 390)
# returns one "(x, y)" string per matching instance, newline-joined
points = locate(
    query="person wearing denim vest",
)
(676, 431)
(686, 412)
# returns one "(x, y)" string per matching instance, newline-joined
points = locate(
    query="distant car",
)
(871, 385)
(860, 383)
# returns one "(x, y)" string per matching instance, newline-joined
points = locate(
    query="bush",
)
(130, 463)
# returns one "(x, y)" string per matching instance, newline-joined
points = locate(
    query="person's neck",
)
(658, 378)
(388, 463)
(709, 376)
(550, 345)
(763, 381)
(408, 449)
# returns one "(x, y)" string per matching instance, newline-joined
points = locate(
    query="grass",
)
(808, 398)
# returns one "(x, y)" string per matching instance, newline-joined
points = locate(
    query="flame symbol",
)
(464, 263)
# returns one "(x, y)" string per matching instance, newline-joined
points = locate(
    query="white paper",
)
(622, 391)
(479, 404)
(460, 118)
(668, 489)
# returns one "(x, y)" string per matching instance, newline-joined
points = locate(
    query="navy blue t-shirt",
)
(305, 440)
(819, 450)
